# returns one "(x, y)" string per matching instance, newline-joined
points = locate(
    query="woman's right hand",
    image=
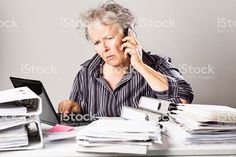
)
(68, 106)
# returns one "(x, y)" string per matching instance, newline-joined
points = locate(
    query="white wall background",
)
(39, 40)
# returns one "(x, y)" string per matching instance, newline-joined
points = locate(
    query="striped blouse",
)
(92, 92)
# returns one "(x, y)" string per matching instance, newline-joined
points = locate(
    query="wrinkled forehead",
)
(99, 30)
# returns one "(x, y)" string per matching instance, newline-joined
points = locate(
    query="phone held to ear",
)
(126, 32)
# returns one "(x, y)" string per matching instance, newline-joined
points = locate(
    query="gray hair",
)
(108, 13)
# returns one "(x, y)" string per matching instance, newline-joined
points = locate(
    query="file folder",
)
(156, 105)
(21, 107)
(21, 96)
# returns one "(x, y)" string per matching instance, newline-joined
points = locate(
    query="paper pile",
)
(19, 119)
(59, 132)
(203, 124)
(118, 136)
(14, 137)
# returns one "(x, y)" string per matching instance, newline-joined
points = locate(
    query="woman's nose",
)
(105, 48)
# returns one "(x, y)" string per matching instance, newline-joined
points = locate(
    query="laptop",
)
(48, 115)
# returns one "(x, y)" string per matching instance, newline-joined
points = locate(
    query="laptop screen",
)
(48, 115)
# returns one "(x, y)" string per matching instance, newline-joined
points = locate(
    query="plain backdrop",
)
(39, 40)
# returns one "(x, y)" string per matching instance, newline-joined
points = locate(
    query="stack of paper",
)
(7, 121)
(148, 109)
(204, 124)
(19, 119)
(10, 134)
(10, 108)
(14, 137)
(59, 132)
(118, 136)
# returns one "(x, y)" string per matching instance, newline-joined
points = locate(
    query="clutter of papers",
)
(19, 119)
(118, 136)
(203, 124)
(132, 133)
(149, 109)
(59, 132)
(14, 137)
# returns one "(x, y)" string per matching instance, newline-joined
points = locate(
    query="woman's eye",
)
(109, 38)
(96, 43)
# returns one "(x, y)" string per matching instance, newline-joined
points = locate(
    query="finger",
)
(60, 107)
(66, 108)
(76, 109)
(131, 33)
(129, 51)
(126, 53)
(65, 113)
(130, 39)
(127, 45)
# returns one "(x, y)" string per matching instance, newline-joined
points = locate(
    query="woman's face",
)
(107, 42)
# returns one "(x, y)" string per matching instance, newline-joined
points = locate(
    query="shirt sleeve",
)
(177, 86)
(77, 95)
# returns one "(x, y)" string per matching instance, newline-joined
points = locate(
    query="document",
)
(51, 136)
(12, 108)
(133, 114)
(139, 114)
(14, 137)
(60, 128)
(6, 121)
(155, 105)
(203, 124)
(201, 112)
(19, 101)
(19, 119)
(117, 133)
(59, 132)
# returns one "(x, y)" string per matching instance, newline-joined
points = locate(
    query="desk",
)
(67, 148)
(169, 148)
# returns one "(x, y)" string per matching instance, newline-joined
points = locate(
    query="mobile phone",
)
(125, 32)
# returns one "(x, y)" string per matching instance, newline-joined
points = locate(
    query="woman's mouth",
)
(110, 57)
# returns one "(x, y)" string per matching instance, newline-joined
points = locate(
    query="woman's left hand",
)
(132, 48)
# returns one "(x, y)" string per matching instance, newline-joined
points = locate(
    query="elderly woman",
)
(120, 72)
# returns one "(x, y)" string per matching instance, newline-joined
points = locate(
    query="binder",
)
(139, 114)
(149, 109)
(18, 96)
(156, 105)
(21, 107)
